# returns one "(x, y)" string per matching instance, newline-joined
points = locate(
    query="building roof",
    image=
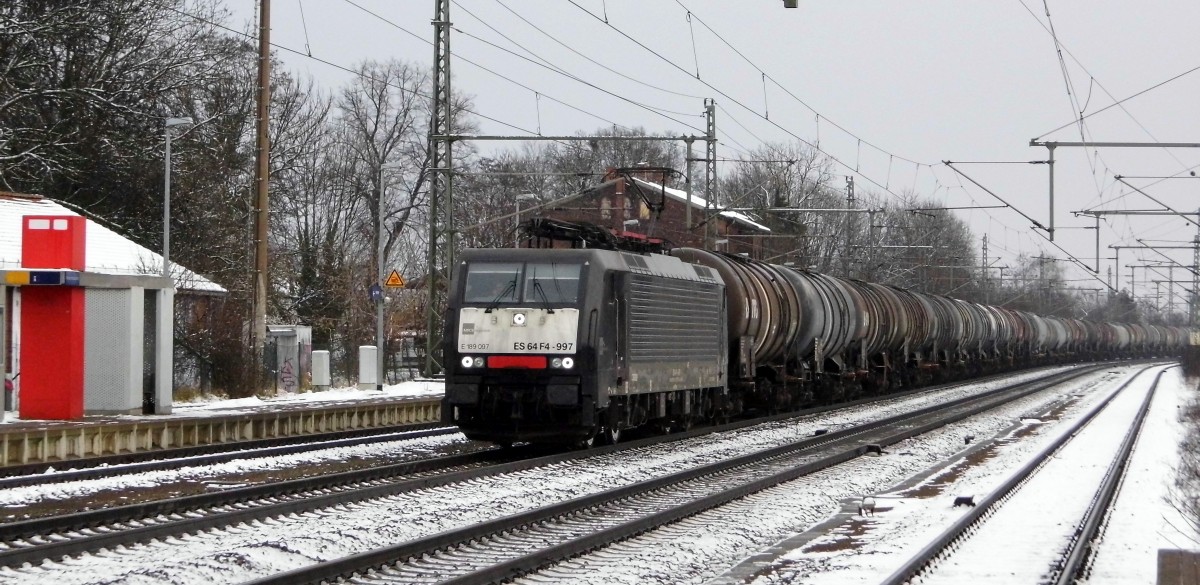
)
(107, 252)
(699, 203)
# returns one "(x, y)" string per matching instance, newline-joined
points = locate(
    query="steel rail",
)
(165, 518)
(177, 516)
(924, 558)
(134, 511)
(361, 563)
(154, 519)
(106, 466)
(166, 459)
(1072, 565)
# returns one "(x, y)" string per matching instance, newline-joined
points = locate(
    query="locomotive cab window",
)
(513, 282)
(492, 282)
(551, 282)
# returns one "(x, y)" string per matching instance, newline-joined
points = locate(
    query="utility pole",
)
(849, 205)
(710, 165)
(441, 173)
(1170, 289)
(380, 246)
(1195, 279)
(1042, 287)
(687, 179)
(983, 276)
(1050, 163)
(869, 265)
(262, 155)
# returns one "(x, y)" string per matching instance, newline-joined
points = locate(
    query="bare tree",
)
(83, 84)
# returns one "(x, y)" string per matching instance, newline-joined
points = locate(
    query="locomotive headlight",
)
(556, 363)
(519, 319)
(479, 362)
(568, 363)
(468, 361)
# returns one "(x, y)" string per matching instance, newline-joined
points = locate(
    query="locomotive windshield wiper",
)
(537, 287)
(508, 288)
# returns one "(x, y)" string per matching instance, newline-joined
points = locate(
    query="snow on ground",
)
(701, 548)
(207, 406)
(868, 549)
(808, 530)
(1143, 519)
(416, 388)
(411, 448)
(401, 449)
(275, 545)
(1029, 532)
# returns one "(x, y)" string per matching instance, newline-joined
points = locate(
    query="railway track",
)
(936, 562)
(126, 464)
(509, 546)
(105, 494)
(53, 538)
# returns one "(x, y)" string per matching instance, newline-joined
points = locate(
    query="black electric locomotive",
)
(572, 345)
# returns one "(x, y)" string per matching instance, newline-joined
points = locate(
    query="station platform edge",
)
(42, 441)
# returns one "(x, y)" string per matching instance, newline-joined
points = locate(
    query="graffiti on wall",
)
(287, 376)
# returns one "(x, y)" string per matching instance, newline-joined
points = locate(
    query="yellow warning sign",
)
(394, 280)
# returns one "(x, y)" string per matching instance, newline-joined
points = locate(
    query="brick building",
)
(626, 203)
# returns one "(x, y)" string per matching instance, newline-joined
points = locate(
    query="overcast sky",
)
(910, 82)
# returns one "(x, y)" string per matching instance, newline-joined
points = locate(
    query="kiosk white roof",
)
(107, 251)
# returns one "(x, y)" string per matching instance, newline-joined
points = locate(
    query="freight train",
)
(579, 345)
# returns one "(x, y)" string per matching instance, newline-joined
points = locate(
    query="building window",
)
(605, 208)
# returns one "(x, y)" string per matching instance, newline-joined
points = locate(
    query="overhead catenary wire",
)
(653, 109)
(740, 104)
(510, 80)
(334, 65)
(766, 76)
(304, 24)
(1093, 157)
(1121, 101)
(545, 63)
(1118, 103)
(1080, 117)
(568, 47)
(917, 165)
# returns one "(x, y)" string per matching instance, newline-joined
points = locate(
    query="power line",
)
(1079, 118)
(589, 59)
(546, 64)
(1067, 50)
(508, 79)
(766, 76)
(735, 100)
(335, 65)
(1123, 100)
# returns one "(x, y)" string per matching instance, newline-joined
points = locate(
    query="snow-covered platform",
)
(223, 422)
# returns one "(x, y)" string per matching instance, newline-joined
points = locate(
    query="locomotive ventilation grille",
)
(673, 320)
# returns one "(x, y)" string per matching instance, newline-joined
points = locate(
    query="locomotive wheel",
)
(610, 435)
(683, 425)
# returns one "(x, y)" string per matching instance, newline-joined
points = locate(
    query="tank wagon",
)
(577, 345)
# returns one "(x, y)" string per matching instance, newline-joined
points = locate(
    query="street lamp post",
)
(171, 123)
(381, 248)
(164, 362)
(517, 224)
